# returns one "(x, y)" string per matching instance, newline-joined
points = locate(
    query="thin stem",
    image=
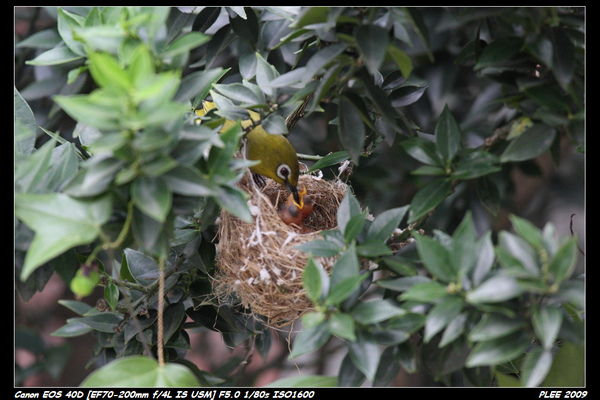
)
(161, 306)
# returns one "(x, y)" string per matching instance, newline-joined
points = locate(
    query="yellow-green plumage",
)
(278, 159)
(272, 151)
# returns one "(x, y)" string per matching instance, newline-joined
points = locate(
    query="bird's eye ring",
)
(283, 171)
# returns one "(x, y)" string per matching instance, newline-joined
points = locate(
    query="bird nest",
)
(258, 263)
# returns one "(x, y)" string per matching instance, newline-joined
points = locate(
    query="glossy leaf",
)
(494, 326)
(329, 160)
(564, 261)
(143, 268)
(310, 340)
(422, 150)
(429, 197)
(60, 222)
(364, 353)
(441, 315)
(532, 143)
(447, 135)
(351, 129)
(372, 43)
(342, 326)
(152, 196)
(496, 351)
(406, 95)
(348, 208)
(435, 257)
(374, 311)
(315, 281)
(547, 321)
(140, 371)
(496, 289)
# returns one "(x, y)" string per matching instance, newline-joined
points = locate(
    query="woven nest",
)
(258, 263)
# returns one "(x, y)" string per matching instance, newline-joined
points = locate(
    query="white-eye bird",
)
(278, 159)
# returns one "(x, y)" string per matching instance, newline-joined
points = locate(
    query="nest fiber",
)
(258, 263)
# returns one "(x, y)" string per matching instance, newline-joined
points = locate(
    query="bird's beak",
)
(297, 195)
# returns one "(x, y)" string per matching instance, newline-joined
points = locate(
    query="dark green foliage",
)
(121, 179)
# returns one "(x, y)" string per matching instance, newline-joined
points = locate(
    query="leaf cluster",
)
(132, 191)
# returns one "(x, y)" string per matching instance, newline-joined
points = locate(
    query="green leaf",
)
(185, 43)
(476, 164)
(454, 330)
(66, 24)
(463, 251)
(494, 326)
(374, 311)
(372, 42)
(105, 322)
(422, 150)
(234, 200)
(346, 266)
(310, 340)
(188, 181)
(142, 268)
(93, 110)
(547, 321)
(343, 289)
(73, 328)
(385, 223)
(527, 231)
(447, 135)
(111, 294)
(563, 56)
(373, 248)
(265, 73)
(342, 326)
(364, 353)
(499, 51)
(406, 95)
(139, 371)
(354, 227)
(25, 126)
(95, 178)
(321, 58)
(351, 128)
(429, 197)
(315, 281)
(56, 56)
(305, 381)
(60, 223)
(198, 84)
(329, 160)
(536, 366)
(496, 289)
(428, 292)
(348, 208)
(517, 255)
(530, 144)
(107, 72)
(416, 19)
(402, 59)
(488, 194)
(564, 261)
(320, 248)
(245, 25)
(30, 172)
(435, 257)
(496, 351)
(568, 368)
(310, 16)
(441, 315)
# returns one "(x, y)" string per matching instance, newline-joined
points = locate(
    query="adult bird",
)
(278, 159)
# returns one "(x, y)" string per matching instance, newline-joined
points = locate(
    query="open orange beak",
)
(300, 200)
